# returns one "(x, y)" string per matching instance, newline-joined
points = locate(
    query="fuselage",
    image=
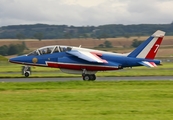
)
(63, 60)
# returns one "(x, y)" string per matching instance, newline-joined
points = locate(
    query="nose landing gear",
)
(26, 71)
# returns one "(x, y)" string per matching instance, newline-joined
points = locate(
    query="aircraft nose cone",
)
(12, 60)
(16, 59)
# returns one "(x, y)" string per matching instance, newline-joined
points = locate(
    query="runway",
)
(147, 78)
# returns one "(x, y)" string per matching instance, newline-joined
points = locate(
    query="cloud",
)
(155, 11)
(85, 12)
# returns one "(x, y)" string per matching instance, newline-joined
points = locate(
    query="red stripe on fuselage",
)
(71, 66)
(80, 67)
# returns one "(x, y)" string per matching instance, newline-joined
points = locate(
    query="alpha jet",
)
(87, 62)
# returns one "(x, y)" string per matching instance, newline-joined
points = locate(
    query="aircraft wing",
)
(88, 56)
(148, 64)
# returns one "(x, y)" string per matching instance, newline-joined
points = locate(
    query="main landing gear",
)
(88, 77)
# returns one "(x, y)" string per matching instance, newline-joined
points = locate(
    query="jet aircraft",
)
(87, 62)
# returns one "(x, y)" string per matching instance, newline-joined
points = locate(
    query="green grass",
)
(133, 100)
(2, 58)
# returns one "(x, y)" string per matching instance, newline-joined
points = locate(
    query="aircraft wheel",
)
(89, 77)
(86, 77)
(27, 74)
(92, 77)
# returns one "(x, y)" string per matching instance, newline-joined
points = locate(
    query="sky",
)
(85, 12)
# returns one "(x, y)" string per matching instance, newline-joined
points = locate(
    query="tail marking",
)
(149, 48)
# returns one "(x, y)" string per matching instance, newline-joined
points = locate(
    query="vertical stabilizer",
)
(149, 48)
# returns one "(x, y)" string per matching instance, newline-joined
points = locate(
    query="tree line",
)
(12, 49)
(44, 31)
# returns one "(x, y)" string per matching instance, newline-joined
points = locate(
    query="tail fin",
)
(149, 48)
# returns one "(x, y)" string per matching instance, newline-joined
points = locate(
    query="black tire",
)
(86, 77)
(92, 77)
(27, 74)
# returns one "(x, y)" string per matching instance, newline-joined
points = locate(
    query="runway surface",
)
(80, 79)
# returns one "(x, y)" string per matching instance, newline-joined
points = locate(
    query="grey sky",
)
(85, 12)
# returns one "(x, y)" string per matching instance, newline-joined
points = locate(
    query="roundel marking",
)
(34, 60)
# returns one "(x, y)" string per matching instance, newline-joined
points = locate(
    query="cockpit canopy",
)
(50, 50)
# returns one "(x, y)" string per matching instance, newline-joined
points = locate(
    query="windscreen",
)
(34, 53)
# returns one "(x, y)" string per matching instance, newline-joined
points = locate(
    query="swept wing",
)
(88, 56)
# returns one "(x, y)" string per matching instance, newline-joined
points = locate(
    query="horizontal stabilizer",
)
(148, 64)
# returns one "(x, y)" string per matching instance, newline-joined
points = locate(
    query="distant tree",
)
(38, 36)
(20, 36)
(21, 47)
(108, 44)
(138, 35)
(136, 43)
(85, 35)
(98, 37)
(67, 35)
(104, 36)
(24, 46)
(101, 46)
(13, 49)
(4, 50)
(127, 36)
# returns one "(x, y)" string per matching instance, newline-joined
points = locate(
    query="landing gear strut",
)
(88, 77)
(26, 71)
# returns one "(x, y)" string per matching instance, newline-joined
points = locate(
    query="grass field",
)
(133, 100)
